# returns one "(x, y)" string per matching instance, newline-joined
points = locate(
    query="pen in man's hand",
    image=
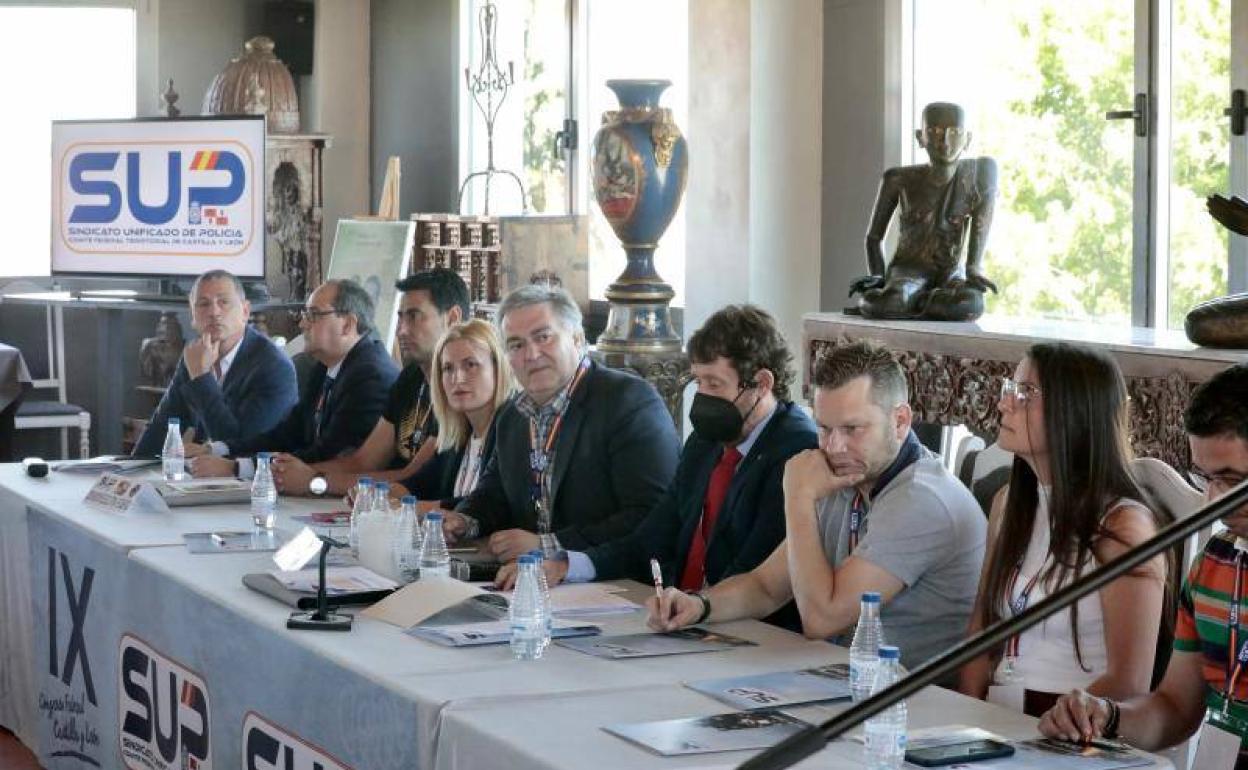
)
(657, 573)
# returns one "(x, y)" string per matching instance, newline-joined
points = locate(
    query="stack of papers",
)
(338, 580)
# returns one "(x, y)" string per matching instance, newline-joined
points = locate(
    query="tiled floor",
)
(13, 755)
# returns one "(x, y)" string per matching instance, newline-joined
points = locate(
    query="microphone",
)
(322, 618)
(35, 467)
(797, 747)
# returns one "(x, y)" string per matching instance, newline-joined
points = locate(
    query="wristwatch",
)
(1111, 725)
(319, 485)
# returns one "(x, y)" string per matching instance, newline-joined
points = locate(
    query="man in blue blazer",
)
(724, 512)
(581, 454)
(342, 397)
(232, 382)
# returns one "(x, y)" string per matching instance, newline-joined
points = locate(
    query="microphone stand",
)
(322, 618)
(797, 747)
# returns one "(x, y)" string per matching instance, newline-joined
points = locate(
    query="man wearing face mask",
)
(724, 511)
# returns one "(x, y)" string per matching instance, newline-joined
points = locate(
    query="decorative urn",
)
(257, 74)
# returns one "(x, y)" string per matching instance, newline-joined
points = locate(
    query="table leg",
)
(108, 385)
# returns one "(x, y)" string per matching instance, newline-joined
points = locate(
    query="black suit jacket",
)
(436, 478)
(258, 389)
(614, 457)
(355, 401)
(749, 526)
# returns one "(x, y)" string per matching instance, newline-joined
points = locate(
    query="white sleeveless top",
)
(1046, 652)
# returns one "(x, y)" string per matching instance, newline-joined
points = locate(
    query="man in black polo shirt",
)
(433, 300)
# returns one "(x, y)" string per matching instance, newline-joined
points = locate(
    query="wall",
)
(416, 85)
(197, 39)
(337, 103)
(854, 131)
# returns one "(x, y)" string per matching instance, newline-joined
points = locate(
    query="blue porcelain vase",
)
(641, 162)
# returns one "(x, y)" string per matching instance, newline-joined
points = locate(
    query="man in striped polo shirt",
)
(1211, 638)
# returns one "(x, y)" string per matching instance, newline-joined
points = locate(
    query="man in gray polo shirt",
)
(869, 510)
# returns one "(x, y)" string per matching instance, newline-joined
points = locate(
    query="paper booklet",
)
(736, 731)
(338, 580)
(105, 463)
(781, 688)
(234, 541)
(584, 600)
(685, 640)
(491, 632)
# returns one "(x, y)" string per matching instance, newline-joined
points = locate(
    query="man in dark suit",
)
(344, 394)
(431, 302)
(582, 453)
(232, 382)
(724, 512)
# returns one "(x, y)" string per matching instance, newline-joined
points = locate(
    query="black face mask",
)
(717, 419)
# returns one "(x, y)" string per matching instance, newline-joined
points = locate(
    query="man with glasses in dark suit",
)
(342, 398)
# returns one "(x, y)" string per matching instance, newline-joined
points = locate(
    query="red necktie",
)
(716, 491)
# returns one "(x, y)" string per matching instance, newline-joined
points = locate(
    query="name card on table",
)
(120, 494)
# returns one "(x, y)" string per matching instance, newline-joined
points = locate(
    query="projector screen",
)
(158, 197)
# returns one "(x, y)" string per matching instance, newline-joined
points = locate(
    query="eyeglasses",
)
(1204, 482)
(312, 315)
(1018, 393)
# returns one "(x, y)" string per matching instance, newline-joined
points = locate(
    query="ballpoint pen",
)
(657, 573)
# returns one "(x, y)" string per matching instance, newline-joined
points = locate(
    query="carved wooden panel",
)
(961, 390)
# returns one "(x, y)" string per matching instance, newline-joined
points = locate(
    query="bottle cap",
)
(433, 516)
(175, 420)
(871, 597)
(538, 554)
(365, 481)
(409, 499)
(264, 455)
(527, 559)
(889, 652)
(382, 485)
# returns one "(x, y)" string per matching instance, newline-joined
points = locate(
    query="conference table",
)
(121, 649)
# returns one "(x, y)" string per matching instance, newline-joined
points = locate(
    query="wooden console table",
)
(955, 369)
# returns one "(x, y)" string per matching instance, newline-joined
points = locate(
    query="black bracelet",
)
(706, 608)
(1111, 727)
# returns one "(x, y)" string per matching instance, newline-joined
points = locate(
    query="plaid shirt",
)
(543, 419)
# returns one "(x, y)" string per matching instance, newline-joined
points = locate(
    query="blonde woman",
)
(471, 381)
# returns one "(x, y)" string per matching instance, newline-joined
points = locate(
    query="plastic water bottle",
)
(863, 652)
(435, 560)
(263, 494)
(378, 531)
(885, 745)
(173, 455)
(407, 541)
(381, 497)
(363, 503)
(529, 632)
(543, 590)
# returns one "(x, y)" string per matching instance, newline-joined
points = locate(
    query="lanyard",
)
(1017, 606)
(1236, 656)
(857, 517)
(540, 454)
(421, 423)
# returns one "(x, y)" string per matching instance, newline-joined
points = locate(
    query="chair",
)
(33, 414)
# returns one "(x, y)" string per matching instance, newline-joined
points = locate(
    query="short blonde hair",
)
(453, 427)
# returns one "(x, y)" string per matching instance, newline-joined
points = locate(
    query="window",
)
(563, 52)
(1092, 221)
(532, 46)
(91, 75)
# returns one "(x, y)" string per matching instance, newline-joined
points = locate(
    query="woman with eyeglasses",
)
(472, 380)
(1071, 505)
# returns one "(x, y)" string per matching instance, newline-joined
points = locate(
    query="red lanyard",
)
(1236, 656)
(539, 457)
(1017, 606)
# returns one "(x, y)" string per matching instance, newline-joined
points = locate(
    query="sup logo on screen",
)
(152, 186)
(164, 711)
